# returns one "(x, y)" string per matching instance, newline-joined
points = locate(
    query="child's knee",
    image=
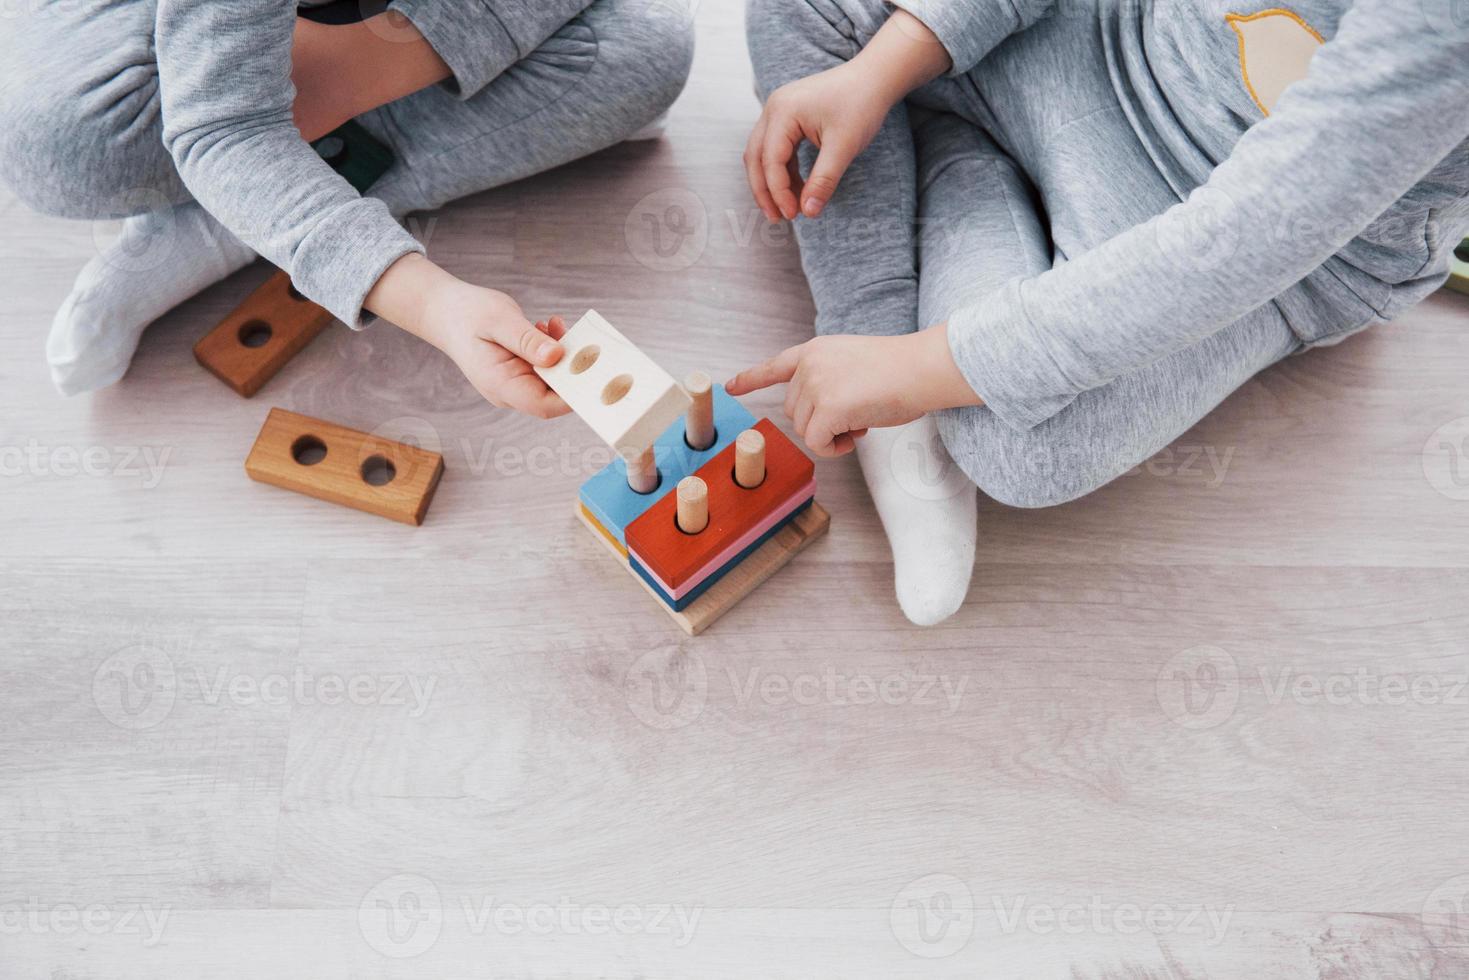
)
(1033, 469)
(646, 57)
(33, 154)
(61, 157)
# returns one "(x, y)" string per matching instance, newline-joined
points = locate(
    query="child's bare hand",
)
(839, 387)
(493, 343)
(842, 385)
(839, 111)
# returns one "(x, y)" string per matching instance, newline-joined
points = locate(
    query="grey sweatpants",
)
(81, 120)
(935, 216)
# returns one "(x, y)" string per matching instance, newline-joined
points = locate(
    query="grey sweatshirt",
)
(224, 71)
(1341, 206)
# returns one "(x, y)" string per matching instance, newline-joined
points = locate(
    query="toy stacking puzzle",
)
(703, 503)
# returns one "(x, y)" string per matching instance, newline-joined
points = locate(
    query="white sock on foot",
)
(928, 509)
(160, 260)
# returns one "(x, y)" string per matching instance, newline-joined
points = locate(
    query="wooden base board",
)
(741, 580)
(279, 322)
(338, 477)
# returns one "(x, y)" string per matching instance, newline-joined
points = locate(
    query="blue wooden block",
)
(615, 505)
(682, 602)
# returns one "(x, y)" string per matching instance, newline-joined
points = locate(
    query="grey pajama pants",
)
(953, 199)
(81, 128)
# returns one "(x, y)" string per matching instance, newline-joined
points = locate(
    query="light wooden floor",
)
(1209, 722)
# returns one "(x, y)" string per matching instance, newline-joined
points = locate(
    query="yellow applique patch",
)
(1275, 49)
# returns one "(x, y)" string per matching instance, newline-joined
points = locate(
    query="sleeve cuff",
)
(345, 254)
(470, 38)
(968, 29)
(993, 348)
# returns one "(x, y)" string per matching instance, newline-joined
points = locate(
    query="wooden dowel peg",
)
(642, 472)
(699, 422)
(749, 459)
(693, 505)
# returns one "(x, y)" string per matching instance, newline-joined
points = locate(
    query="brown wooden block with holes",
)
(272, 326)
(344, 466)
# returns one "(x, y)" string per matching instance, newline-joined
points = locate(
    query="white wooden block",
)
(616, 389)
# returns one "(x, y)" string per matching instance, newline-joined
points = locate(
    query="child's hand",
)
(842, 385)
(483, 330)
(487, 335)
(839, 111)
(839, 386)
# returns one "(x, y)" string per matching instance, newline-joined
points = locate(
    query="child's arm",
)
(230, 123)
(1384, 102)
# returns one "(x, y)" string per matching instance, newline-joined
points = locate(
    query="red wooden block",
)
(673, 555)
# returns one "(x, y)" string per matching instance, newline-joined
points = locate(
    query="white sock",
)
(160, 260)
(928, 508)
(652, 131)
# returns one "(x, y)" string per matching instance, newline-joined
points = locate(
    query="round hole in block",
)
(378, 471)
(254, 333)
(616, 389)
(308, 450)
(585, 358)
(332, 149)
(1461, 251)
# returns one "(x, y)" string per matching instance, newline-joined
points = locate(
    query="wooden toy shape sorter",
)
(716, 520)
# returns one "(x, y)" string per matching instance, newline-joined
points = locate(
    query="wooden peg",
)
(693, 505)
(642, 472)
(699, 422)
(750, 459)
